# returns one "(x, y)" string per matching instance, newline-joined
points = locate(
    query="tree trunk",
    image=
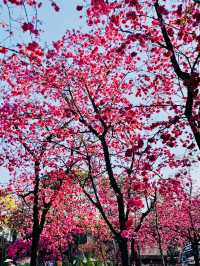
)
(132, 256)
(138, 261)
(135, 257)
(160, 248)
(123, 247)
(34, 248)
(35, 229)
(159, 239)
(195, 249)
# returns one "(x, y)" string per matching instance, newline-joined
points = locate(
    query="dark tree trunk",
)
(38, 224)
(123, 247)
(35, 229)
(184, 76)
(122, 242)
(159, 239)
(138, 257)
(135, 258)
(132, 256)
(34, 248)
(195, 249)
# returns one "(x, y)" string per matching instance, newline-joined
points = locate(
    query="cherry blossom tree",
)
(48, 117)
(116, 157)
(99, 99)
(163, 40)
(175, 219)
(186, 219)
(62, 222)
(40, 177)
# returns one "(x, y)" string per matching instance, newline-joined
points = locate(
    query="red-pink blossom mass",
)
(100, 132)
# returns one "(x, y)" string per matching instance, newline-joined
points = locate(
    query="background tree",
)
(178, 218)
(38, 173)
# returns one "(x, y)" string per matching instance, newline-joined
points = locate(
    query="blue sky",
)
(4, 175)
(56, 23)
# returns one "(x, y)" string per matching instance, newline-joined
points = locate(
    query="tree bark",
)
(184, 76)
(34, 248)
(138, 261)
(135, 258)
(132, 256)
(35, 229)
(159, 240)
(195, 249)
(123, 247)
